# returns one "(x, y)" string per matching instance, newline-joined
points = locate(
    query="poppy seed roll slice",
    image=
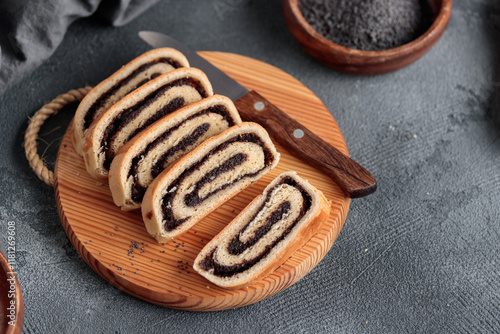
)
(265, 234)
(139, 109)
(128, 78)
(205, 178)
(161, 144)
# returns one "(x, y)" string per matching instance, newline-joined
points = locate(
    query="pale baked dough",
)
(195, 176)
(291, 230)
(148, 100)
(125, 80)
(145, 151)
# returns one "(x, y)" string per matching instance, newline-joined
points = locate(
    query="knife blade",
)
(354, 180)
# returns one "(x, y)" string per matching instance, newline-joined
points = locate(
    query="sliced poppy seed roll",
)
(265, 234)
(205, 178)
(128, 78)
(161, 144)
(139, 109)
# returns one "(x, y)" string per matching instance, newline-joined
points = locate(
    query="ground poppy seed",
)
(368, 24)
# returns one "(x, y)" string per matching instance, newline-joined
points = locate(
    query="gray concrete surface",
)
(421, 255)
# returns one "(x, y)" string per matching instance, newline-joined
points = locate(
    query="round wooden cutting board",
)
(117, 246)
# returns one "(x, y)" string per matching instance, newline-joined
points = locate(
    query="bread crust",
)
(98, 91)
(300, 235)
(152, 201)
(120, 182)
(92, 150)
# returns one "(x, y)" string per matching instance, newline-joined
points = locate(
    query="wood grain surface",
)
(117, 246)
(11, 300)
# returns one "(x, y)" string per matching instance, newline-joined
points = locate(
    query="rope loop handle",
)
(36, 122)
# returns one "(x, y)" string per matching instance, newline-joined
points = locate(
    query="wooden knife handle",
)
(352, 178)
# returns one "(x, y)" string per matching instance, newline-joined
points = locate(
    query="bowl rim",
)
(19, 304)
(433, 32)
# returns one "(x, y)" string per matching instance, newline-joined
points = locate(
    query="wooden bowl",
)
(11, 300)
(365, 62)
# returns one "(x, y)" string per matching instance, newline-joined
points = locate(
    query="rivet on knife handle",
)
(352, 178)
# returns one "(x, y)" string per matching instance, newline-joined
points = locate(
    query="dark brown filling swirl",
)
(101, 101)
(138, 190)
(129, 114)
(193, 200)
(236, 247)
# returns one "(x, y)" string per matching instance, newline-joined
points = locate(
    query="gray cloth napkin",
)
(30, 30)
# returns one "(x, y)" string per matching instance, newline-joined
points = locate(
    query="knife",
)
(354, 180)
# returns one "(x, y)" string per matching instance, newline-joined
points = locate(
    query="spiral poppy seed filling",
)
(192, 198)
(186, 141)
(236, 246)
(138, 190)
(130, 114)
(102, 101)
